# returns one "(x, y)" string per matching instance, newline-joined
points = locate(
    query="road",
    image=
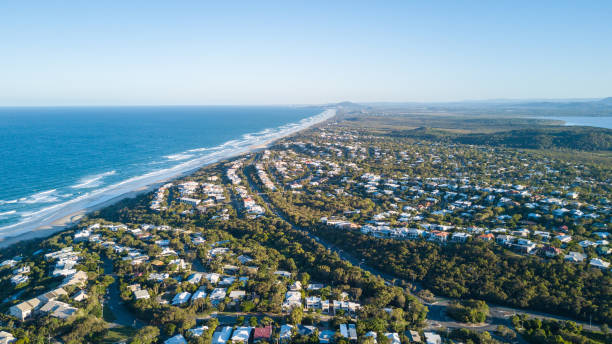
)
(436, 318)
(122, 314)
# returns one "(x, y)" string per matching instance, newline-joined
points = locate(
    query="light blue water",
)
(53, 157)
(601, 122)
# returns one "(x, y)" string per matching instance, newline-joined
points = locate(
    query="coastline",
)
(584, 121)
(69, 220)
(65, 220)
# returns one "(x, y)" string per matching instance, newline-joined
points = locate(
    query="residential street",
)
(436, 318)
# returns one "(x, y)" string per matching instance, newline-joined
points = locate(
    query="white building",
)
(181, 298)
(222, 336)
(178, 339)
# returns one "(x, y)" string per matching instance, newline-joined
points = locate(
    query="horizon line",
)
(315, 104)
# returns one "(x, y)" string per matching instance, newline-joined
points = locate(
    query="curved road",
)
(122, 314)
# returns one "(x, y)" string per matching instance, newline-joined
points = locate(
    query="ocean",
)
(57, 161)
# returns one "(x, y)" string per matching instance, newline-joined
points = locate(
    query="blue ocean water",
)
(55, 160)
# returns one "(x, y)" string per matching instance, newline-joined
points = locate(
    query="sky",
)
(301, 52)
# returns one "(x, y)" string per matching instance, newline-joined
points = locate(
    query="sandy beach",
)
(75, 213)
(71, 219)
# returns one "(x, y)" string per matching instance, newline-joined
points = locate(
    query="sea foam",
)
(45, 216)
(93, 181)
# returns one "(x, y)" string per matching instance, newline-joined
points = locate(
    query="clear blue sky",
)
(257, 52)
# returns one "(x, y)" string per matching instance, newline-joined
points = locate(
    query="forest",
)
(482, 271)
(541, 137)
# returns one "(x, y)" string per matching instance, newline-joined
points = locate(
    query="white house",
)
(6, 338)
(242, 334)
(23, 310)
(181, 298)
(222, 336)
(599, 263)
(292, 299)
(178, 339)
(432, 338)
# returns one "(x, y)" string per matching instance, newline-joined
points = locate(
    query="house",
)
(217, 295)
(195, 278)
(212, 277)
(413, 336)
(8, 262)
(178, 339)
(438, 236)
(350, 308)
(227, 280)
(414, 233)
(222, 336)
(564, 238)
(372, 335)
(79, 279)
(486, 237)
(575, 257)
(18, 279)
(262, 334)
(352, 330)
(326, 336)
(285, 333)
(313, 302)
(6, 338)
(242, 334)
(52, 295)
(393, 337)
(599, 263)
(550, 251)
(524, 245)
(460, 237)
(244, 259)
(141, 294)
(325, 306)
(292, 299)
(191, 201)
(81, 295)
(24, 309)
(282, 273)
(199, 294)
(81, 235)
(58, 309)
(586, 243)
(504, 239)
(237, 294)
(197, 331)
(305, 330)
(344, 330)
(181, 298)
(315, 286)
(22, 270)
(158, 277)
(432, 338)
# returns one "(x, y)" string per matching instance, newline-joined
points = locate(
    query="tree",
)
(267, 321)
(170, 329)
(296, 315)
(146, 335)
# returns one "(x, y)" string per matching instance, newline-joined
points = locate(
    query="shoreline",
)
(65, 221)
(71, 219)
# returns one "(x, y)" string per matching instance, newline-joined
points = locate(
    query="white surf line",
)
(93, 198)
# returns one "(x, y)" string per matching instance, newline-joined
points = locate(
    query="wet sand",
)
(71, 219)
